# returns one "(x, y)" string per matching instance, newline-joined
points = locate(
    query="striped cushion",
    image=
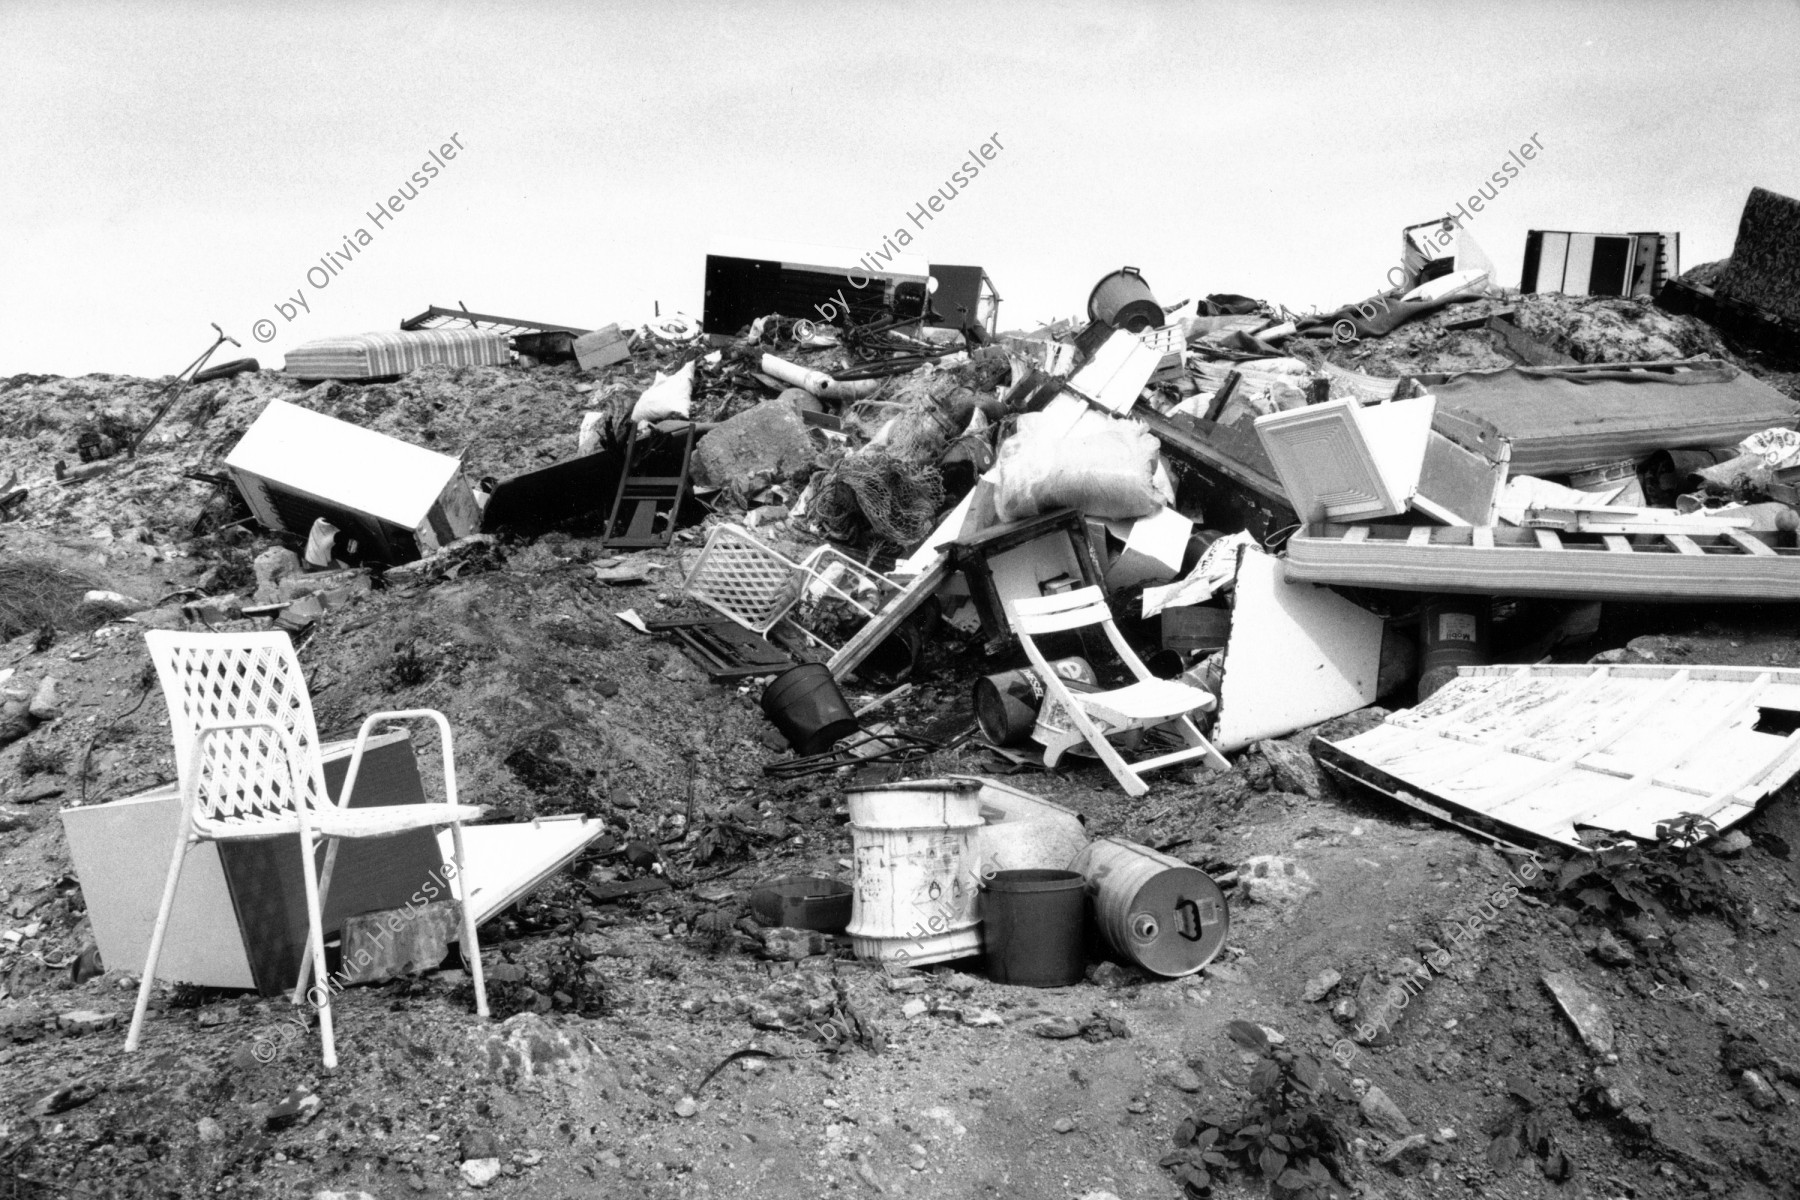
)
(395, 352)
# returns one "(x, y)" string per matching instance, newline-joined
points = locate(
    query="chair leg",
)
(1190, 733)
(1121, 770)
(471, 947)
(170, 885)
(331, 851)
(315, 931)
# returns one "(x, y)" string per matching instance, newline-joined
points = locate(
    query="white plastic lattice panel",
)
(215, 678)
(744, 579)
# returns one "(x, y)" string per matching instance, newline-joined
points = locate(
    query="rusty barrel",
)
(1007, 704)
(1153, 910)
(918, 873)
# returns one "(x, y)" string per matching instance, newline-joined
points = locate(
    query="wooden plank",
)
(1187, 443)
(1749, 544)
(1617, 543)
(1420, 535)
(1683, 543)
(1547, 539)
(1410, 562)
(1482, 537)
(1561, 766)
(890, 618)
(1358, 533)
(1684, 749)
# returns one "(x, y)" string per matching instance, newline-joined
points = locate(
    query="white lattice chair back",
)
(219, 678)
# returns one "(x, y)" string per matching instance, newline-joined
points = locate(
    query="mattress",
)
(395, 352)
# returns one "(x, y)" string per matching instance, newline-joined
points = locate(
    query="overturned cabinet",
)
(396, 501)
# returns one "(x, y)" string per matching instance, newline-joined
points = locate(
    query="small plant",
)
(728, 835)
(1521, 1130)
(406, 668)
(1624, 879)
(35, 760)
(1291, 1131)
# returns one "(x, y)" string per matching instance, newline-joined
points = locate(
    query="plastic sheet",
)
(1096, 465)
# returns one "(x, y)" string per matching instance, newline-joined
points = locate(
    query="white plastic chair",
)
(756, 585)
(247, 755)
(1095, 716)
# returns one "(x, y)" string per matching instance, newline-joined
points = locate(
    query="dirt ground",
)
(948, 1085)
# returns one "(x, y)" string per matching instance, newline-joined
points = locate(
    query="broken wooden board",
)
(240, 912)
(1731, 564)
(1116, 375)
(1345, 461)
(1547, 751)
(1459, 486)
(889, 619)
(1296, 655)
(505, 863)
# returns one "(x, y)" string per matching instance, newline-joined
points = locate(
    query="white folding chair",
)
(247, 755)
(1095, 716)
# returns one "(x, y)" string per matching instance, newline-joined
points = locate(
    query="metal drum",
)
(1156, 911)
(1007, 704)
(917, 871)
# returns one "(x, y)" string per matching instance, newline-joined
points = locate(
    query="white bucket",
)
(917, 871)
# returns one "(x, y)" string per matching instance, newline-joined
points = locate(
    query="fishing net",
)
(896, 499)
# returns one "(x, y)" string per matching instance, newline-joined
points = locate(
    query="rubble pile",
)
(1324, 720)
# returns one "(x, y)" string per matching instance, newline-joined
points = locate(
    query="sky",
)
(165, 166)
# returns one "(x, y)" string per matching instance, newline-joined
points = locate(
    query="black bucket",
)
(1034, 927)
(1123, 300)
(808, 708)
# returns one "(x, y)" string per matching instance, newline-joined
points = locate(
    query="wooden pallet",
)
(1551, 750)
(1490, 560)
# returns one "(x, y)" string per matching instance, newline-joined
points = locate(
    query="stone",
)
(70, 1095)
(914, 1008)
(210, 1132)
(1056, 1028)
(479, 1172)
(389, 943)
(1109, 974)
(46, 703)
(1732, 844)
(1273, 880)
(1379, 1110)
(298, 1107)
(1408, 1156)
(769, 439)
(1611, 951)
(1758, 1090)
(1291, 767)
(793, 945)
(15, 720)
(271, 567)
(323, 1194)
(908, 984)
(1186, 1080)
(84, 1020)
(686, 1107)
(527, 1050)
(1063, 1125)
(481, 1143)
(39, 789)
(1320, 985)
(1584, 1012)
(982, 1019)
